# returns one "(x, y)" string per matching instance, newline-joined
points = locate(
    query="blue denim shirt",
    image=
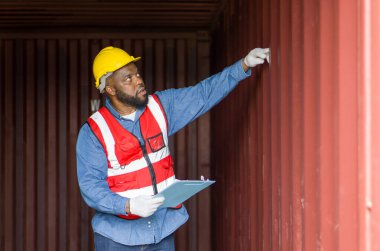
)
(181, 107)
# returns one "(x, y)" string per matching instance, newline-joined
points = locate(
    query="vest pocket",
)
(127, 151)
(156, 142)
(122, 182)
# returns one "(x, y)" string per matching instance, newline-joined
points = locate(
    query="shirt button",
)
(149, 222)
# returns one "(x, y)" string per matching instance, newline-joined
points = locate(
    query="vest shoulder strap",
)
(158, 112)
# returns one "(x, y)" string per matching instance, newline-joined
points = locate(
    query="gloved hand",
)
(145, 205)
(257, 56)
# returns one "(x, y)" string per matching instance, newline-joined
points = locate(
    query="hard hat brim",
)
(132, 61)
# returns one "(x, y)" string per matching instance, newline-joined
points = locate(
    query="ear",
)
(110, 90)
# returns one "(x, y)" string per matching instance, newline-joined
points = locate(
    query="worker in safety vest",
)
(123, 155)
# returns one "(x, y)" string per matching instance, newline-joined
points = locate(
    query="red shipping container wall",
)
(295, 149)
(46, 92)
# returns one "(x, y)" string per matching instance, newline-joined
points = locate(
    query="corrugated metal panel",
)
(369, 124)
(295, 149)
(46, 92)
(111, 14)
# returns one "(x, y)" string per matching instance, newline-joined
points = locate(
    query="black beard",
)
(132, 100)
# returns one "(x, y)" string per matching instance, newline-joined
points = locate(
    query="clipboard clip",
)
(203, 178)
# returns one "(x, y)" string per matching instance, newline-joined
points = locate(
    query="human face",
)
(129, 86)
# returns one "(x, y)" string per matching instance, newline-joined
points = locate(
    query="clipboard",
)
(182, 190)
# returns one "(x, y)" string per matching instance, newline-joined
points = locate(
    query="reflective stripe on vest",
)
(128, 171)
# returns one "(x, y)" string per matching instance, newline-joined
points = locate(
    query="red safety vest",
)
(135, 169)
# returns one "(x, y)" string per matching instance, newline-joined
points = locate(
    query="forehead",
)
(128, 69)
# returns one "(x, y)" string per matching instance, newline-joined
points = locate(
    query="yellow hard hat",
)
(107, 61)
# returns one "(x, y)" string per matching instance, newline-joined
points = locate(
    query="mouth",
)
(141, 91)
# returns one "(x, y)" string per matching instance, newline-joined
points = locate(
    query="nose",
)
(138, 79)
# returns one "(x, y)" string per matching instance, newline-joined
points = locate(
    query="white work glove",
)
(257, 56)
(145, 205)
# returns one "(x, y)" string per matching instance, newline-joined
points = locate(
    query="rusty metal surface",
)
(295, 148)
(46, 89)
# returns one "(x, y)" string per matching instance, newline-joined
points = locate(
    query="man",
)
(122, 151)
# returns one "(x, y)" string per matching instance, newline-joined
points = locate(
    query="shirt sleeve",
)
(184, 105)
(92, 169)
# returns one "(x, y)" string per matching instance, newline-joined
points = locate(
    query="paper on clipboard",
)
(181, 190)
